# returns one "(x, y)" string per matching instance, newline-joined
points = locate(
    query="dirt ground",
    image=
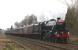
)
(7, 44)
(2, 39)
(74, 39)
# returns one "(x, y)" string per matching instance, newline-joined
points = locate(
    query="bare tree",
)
(43, 18)
(17, 25)
(25, 20)
(32, 19)
(71, 17)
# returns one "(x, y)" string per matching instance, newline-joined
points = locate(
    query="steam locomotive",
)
(40, 30)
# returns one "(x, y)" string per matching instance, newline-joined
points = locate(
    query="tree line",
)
(29, 19)
(72, 17)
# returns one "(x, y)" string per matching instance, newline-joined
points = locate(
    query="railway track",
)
(10, 45)
(41, 45)
(55, 45)
(7, 44)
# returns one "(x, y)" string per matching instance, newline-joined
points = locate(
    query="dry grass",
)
(12, 46)
(6, 44)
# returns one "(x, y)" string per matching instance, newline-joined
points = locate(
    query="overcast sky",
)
(15, 10)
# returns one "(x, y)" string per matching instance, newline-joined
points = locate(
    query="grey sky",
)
(15, 10)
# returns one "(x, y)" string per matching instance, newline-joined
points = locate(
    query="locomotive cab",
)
(47, 27)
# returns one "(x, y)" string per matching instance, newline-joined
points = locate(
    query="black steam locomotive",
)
(39, 31)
